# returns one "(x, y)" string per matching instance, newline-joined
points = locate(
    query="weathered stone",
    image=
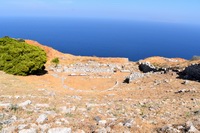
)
(108, 129)
(1, 116)
(191, 128)
(185, 82)
(148, 67)
(42, 105)
(193, 71)
(34, 125)
(44, 127)
(128, 123)
(22, 126)
(133, 76)
(65, 110)
(185, 91)
(42, 118)
(31, 130)
(79, 131)
(57, 122)
(102, 123)
(5, 105)
(14, 107)
(60, 130)
(8, 129)
(102, 130)
(9, 121)
(167, 129)
(120, 124)
(97, 118)
(24, 104)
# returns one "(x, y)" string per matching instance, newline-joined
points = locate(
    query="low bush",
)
(20, 58)
(55, 61)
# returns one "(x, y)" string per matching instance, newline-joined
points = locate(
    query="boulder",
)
(134, 76)
(148, 67)
(193, 71)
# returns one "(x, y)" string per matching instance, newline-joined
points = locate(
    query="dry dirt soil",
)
(96, 101)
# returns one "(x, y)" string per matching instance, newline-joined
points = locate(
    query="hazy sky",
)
(186, 11)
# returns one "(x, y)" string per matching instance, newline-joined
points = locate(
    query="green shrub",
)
(20, 58)
(55, 61)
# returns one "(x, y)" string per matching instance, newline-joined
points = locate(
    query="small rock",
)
(44, 127)
(97, 118)
(33, 125)
(108, 129)
(5, 105)
(31, 130)
(180, 127)
(82, 109)
(83, 74)
(79, 131)
(60, 130)
(42, 118)
(10, 121)
(66, 110)
(72, 74)
(185, 82)
(24, 104)
(17, 97)
(8, 129)
(102, 130)
(1, 115)
(22, 126)
(166, 81)
(128, 123)
(133, 76)
(112, 119)
(51, 113)
(42, 105)
(157, 82)
(14, 107)
(126, 131)
(168, 129)
(125, 71)
(58, 123)
(181, 91)
(120, 124)
(102, 123)
(197, 112)
(191, 128)
(59, 70)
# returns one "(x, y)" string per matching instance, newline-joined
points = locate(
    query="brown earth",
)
(70, 59)
(151, 101)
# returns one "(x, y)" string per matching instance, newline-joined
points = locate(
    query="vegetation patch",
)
(55, 61)
(20, 58)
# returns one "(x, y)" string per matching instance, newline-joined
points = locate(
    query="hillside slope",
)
(88, 94)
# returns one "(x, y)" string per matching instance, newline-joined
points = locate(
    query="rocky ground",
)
(97, 95)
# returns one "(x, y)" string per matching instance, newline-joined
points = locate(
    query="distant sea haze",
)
(107, 38)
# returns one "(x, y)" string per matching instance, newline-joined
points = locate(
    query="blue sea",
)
(107, 38)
